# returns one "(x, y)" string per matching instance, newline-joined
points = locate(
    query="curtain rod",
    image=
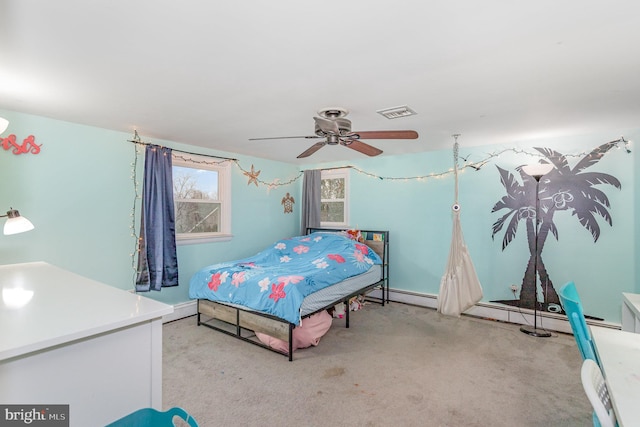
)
(328, 169)
(136, 140)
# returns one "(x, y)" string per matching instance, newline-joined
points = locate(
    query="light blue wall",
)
(417, 212)
(79, 193)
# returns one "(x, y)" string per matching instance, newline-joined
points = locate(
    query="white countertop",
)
(62, 306)
(619, 355)
(632, 301)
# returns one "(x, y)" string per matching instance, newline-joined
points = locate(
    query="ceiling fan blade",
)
(387, 134)
(309, 151)
(328, 126)
(287, 137)
(360, 146)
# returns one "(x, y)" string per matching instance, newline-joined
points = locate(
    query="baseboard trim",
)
(485, 310)
(495, 311)
(184, 309)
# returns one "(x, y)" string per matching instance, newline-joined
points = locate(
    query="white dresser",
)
(66, 339)
(631, 312)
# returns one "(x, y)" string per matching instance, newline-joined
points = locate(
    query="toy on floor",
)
(339, 310)
(355, 303)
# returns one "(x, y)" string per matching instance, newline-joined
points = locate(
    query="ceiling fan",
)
(334, 128)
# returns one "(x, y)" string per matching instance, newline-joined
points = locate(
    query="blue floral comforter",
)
(276, 280)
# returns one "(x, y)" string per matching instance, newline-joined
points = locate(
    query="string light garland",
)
(271, 185)
(221, 160)
(136, 197)
(475, 165)
(136, 140)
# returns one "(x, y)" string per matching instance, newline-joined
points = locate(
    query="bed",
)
(271, 292)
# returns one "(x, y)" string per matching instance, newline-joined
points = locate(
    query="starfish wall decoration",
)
(253, 176)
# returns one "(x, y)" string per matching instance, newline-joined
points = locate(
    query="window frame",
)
(337, 174)
(223, 168)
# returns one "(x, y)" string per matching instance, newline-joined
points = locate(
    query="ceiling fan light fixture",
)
(333, 112)
(396, 112)
(343, 127)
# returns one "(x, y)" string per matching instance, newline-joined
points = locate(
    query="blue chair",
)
(573, 308)
(149, 417)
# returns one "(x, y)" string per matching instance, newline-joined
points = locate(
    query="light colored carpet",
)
(397, 365)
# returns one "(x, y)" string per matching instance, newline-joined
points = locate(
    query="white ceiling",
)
(216, 73)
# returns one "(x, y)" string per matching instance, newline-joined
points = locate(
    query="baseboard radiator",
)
(485, 310)
(495, 311)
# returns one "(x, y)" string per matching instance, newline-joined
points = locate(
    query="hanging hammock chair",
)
(460, 288)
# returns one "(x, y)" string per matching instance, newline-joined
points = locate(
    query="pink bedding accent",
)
(307, 334)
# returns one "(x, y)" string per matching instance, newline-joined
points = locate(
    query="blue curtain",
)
(157, 259)
(311, 199)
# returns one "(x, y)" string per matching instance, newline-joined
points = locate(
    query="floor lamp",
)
(536, 171)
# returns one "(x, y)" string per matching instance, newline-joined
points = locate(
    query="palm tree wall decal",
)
(562, 189)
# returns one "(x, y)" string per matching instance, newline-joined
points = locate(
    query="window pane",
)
(332, 212)
(189, 183)
(194, 217)
(332, 188)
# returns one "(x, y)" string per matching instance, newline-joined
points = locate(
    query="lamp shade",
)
(536, 170)
(4, 123)
(16, 224)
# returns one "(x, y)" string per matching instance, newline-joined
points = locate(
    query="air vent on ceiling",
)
(396, 112)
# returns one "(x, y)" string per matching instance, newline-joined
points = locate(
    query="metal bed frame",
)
(242, 323)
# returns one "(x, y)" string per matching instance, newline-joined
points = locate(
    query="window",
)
(334, 198)
(202, 198)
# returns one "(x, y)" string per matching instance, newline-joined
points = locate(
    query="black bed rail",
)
(239, 329)
(250, 338)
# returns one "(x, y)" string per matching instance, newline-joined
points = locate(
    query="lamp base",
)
(534, 332)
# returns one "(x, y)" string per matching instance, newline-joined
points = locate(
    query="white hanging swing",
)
(460, 288)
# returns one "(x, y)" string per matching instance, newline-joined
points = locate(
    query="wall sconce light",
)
(15, 223)
(4, 123)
